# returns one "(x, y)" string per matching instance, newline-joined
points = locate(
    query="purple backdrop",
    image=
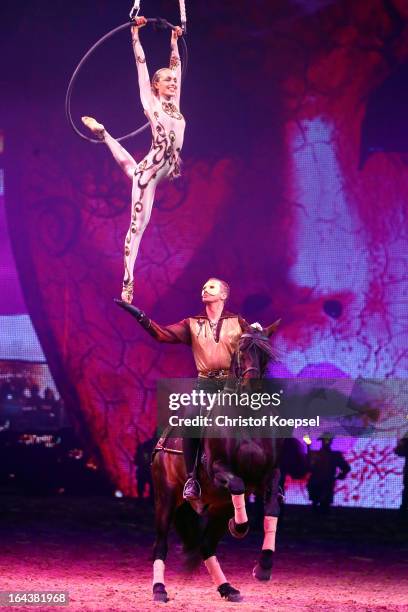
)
(294, 189)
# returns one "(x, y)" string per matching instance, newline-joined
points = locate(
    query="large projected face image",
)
(346, 188)
(292, 191)
(355, 270)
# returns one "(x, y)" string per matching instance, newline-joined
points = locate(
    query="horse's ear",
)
(271, 329)
(245, 326)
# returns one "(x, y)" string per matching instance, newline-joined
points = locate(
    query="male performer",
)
(213, 336)
(326, 466)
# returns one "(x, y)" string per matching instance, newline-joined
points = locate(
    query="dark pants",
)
(321, 495)
(404, 500)
(191, 445)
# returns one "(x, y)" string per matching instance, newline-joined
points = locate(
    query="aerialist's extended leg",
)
(121, 156)
(142, 204)
(142, 200)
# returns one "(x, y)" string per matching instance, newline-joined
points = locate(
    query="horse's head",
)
(251, 356)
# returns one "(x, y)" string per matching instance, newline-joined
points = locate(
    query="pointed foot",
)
(92, 124)
(127, 292)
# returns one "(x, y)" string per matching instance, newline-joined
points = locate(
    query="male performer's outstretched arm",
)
(173, 334)
(179, 332)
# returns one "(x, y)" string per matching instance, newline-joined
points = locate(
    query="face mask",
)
(212, 287)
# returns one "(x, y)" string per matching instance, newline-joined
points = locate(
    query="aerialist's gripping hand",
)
(138, 314)
(176, 33)
(139, 22)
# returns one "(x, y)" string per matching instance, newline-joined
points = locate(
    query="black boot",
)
(192, 489)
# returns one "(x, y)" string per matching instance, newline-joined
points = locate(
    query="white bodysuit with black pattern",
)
(162, 161)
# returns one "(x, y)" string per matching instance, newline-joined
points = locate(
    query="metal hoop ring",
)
(162, 24)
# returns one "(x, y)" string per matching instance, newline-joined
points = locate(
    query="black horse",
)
(230, 468)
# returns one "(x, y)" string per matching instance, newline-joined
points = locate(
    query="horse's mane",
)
(253, 339)
(258, 340)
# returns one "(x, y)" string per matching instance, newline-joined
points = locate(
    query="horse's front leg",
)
(223, 477)
(214, 531)
(263, 568)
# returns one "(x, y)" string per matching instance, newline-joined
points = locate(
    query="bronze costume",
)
(213, 348)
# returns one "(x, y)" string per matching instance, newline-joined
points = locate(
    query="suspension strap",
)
(135, 10)
(183, 16)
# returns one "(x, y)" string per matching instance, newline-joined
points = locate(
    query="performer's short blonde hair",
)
(224, 285)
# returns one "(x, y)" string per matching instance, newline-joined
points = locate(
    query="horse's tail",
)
(189, 526)
(294, 460)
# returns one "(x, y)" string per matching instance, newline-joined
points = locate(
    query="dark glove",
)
(138, 314)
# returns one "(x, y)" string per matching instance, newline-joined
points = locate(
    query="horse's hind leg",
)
(214, 531)
(163, 518)
(165, 502)
(263, 568)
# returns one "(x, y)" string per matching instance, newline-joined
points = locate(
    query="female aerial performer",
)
(161, 100)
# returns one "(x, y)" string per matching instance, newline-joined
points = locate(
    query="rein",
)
(242, 374)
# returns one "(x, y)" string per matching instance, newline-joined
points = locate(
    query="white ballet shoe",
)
(127, 292)
(97, 128)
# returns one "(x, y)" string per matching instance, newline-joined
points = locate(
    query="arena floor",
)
(99, 550)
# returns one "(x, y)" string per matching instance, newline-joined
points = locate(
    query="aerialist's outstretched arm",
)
(173, 334)
(142, 71)
(175, 63)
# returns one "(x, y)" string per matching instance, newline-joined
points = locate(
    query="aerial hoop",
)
(160, 24)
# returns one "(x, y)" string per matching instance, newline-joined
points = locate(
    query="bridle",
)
(242, 374)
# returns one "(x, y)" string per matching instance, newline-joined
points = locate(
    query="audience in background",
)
(23, 405)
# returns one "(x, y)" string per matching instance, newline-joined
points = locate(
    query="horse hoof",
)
(261, 574)
(160, 597)
(228, 592)
(235, 597)
(238, 530)
(160, 593)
